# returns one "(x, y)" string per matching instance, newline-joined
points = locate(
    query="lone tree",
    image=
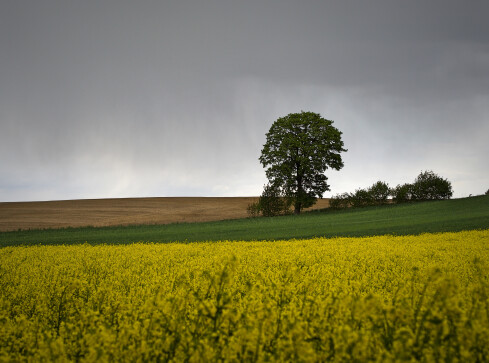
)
(299, 149)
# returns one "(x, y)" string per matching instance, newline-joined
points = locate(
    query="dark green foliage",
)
(273, 202)
(253, 209)
(402, 193)
(361, 198)
(300, 147)
(426, 186)
(487, 193)
(340, 201)
(429, 186)
(379, 193)
(408, 218)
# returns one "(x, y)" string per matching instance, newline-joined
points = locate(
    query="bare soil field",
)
(126, 211)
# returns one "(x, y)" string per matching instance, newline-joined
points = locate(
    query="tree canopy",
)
(430, 186)
(300, 147)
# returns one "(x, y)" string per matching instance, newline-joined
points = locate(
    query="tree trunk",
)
(297, 208)
(298, 197)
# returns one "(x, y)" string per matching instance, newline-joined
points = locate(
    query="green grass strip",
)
(412, 218)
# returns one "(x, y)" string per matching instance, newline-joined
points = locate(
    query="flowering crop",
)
(381, 298)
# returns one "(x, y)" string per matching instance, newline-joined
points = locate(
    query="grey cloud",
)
(116, 98)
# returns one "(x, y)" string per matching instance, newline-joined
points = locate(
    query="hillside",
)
(124, 211)
(411, 218)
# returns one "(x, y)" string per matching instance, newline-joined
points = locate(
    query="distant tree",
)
(300, 147)
(361, 198)
(487, 193)
(429, 186)
(379, 192)
(402, 193)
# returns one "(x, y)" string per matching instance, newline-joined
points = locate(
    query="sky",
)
(119, 98)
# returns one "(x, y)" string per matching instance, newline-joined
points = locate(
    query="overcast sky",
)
(119, 98)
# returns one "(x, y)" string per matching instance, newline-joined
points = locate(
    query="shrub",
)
(487, 193)
(273, 202)
(253, 209)
(340, 201)
(379, 192)
(429, 186)
(361, 198)
(402, 193)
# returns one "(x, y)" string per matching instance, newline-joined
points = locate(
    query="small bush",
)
(272, 202)
(253, 209)
(487, 193)
(340, 201)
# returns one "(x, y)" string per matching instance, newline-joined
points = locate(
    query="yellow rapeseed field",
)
(413, 298)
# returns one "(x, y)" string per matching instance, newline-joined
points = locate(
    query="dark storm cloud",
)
(118, 98)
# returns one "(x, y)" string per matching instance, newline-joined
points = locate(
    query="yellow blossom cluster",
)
(386, 298)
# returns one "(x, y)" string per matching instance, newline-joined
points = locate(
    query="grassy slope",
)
(441, 216)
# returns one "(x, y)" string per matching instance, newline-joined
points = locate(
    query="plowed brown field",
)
(113, 212)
